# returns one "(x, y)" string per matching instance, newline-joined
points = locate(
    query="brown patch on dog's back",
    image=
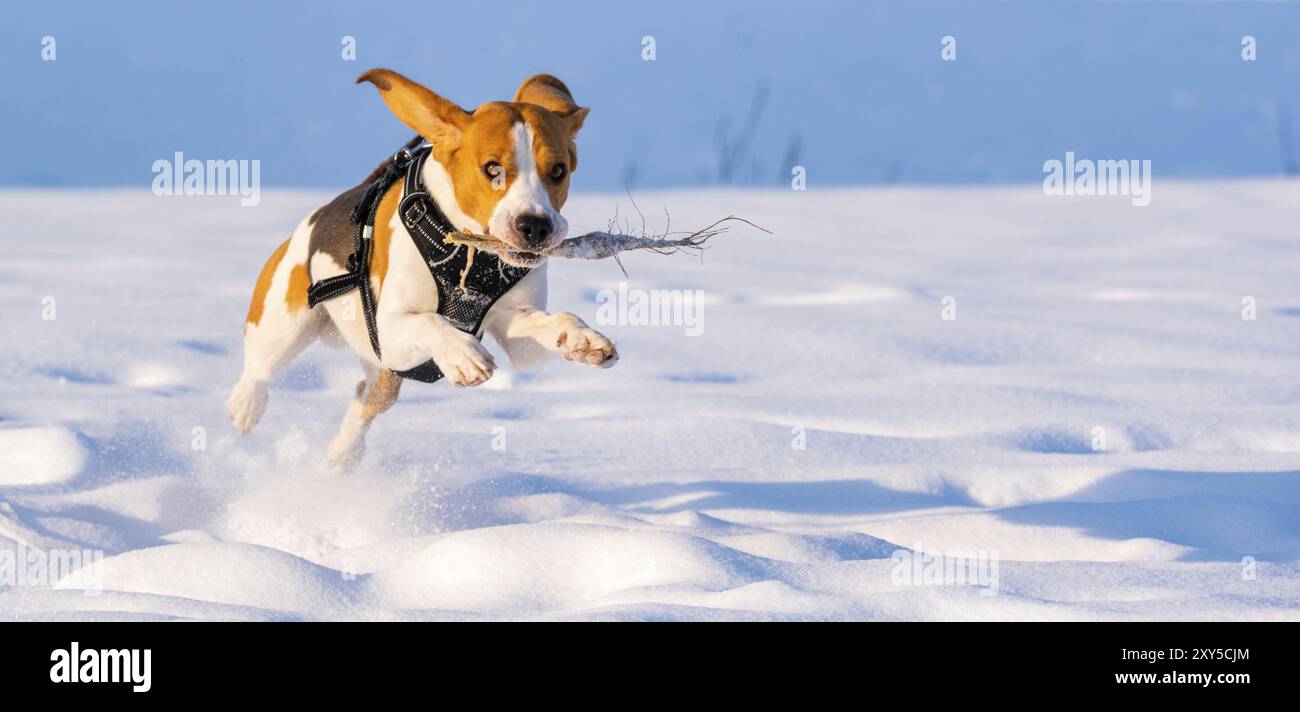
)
(383, 236)
(296, 297)
(264, 284)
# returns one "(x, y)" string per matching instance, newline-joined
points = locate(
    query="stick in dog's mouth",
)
(521, 258)
(600, 245)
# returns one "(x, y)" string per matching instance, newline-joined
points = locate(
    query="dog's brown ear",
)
(548, 92)
(430, 115)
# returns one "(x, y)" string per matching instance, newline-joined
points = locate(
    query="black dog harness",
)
(468, 282)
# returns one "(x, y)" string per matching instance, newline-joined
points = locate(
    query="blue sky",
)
(854, 91)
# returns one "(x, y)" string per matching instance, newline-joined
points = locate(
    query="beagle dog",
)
(502, 169)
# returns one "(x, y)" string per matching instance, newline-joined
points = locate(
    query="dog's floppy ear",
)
(548, 92)
(430, 115)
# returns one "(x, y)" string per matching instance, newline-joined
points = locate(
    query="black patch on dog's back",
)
(332, 231)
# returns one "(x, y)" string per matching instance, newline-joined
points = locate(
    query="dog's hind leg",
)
(375, 394)
(279, 326)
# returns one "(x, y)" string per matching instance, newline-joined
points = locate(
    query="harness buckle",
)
(414, 210)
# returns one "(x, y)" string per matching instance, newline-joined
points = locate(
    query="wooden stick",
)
(600, 245)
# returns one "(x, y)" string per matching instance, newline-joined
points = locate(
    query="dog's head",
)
(508, 162)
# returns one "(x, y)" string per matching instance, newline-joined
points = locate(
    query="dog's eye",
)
(492, 169)
(558, 171)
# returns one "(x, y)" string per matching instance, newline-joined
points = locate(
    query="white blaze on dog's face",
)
(508, 163)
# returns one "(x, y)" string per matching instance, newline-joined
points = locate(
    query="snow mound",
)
(557, 567)
(40, 456)
(312, 514)
(232, 574)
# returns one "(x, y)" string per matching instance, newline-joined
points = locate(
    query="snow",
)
(39, 456)
(670, 487)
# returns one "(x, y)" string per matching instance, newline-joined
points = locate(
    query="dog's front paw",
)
(463, 360)
(583, 345)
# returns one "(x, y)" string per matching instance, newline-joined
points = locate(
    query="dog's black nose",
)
(534, 228)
